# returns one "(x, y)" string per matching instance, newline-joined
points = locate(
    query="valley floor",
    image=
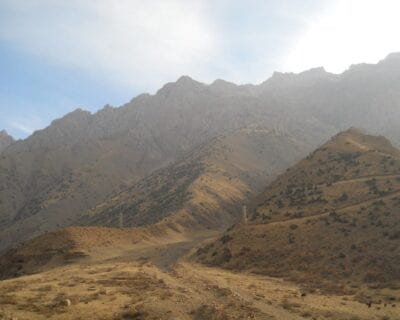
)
(159, 282)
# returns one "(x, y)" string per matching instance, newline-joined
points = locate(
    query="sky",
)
(56, 56)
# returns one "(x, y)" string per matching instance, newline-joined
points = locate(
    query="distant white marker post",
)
(121, 220)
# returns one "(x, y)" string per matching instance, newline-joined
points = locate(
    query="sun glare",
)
(347, 32)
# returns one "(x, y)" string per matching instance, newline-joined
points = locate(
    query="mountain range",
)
(75, 170)
(216, 201)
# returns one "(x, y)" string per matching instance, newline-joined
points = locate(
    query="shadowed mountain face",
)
(5, 140)
(206, 188)
(51, 179)
(333, 216)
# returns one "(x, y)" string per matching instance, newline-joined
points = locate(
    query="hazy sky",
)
(56, 56)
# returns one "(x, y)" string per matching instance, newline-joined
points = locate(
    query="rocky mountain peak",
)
(393, 57)
(305, 78)
(222, 85)
(185, 80)
(5, 140)
(183, 85)
(77, 113)
(358, 140)
(3, 133)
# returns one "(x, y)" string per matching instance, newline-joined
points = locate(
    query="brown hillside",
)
(69, 245)
(333, 216)
(207, 188)
(204, 190)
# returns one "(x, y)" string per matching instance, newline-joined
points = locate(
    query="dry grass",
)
(121, 278)
(125, 288)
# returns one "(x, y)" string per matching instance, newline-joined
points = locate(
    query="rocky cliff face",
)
(5, 140)
(365, 96)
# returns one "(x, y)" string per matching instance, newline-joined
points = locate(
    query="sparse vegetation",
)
(338, 216)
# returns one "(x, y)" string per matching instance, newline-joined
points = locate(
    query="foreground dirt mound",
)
(334, 216)
(74, 243)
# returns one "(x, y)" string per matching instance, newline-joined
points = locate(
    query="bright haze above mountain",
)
(57, 56)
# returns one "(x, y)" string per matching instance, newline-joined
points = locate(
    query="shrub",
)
(226, 238)
(226, 255)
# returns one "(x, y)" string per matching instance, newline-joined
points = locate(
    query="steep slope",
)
(5, 140)
(48, 180)
(206, 188)
(333, 216)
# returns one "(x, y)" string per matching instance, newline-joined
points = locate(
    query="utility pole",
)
(121, 220)
(244, 212)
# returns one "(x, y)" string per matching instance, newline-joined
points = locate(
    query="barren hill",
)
(333, 216)
(206, 188)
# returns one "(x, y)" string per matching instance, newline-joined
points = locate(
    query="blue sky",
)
(56, 56)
